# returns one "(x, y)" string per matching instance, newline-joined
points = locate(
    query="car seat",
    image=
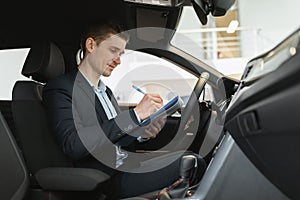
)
(14, 177)
(49, 169)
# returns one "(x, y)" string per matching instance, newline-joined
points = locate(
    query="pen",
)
(139, 89)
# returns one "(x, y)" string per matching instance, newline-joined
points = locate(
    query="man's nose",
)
(117, 60)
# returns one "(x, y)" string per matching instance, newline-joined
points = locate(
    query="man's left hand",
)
(154, 128)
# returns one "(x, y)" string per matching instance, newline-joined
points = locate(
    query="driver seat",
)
(50, 171)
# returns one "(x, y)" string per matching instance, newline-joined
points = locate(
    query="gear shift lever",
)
(180, 187)
(188, 162)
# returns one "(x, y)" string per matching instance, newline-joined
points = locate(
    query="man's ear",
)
(89, 44)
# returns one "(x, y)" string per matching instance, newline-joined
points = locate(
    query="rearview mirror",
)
(221, 7)
(201, 10)
(215, 7)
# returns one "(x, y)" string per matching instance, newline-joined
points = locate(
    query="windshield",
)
(229, 42)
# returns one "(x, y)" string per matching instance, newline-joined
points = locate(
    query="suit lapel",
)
(82, 84)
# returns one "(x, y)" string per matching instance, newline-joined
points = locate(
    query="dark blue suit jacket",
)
(79, 121)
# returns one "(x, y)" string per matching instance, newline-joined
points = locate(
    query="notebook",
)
(166, 110)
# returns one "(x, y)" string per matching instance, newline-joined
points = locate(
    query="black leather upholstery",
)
(14, 177)
(37, 143)
(51, 170)
(44, 61)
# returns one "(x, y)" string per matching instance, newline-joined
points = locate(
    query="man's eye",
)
(113, 50)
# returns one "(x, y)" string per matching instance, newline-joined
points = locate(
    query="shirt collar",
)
(101, 85)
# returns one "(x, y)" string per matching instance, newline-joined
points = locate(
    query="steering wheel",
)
(192, 103)
(186, 112)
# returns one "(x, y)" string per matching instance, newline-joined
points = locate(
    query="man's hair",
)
(102, 30)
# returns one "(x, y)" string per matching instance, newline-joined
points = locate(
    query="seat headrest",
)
(44, 62)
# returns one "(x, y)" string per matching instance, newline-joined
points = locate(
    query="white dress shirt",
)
(110, 113)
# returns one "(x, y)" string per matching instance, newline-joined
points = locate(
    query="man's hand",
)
(154, 128)
(148, 105)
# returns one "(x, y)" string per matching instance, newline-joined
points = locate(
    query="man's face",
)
(106, 55)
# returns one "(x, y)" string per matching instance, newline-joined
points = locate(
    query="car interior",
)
(253, 153)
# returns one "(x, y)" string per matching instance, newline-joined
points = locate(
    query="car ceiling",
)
(62, 22)
(29, 21)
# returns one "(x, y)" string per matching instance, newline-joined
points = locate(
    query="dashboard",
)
(270, 61)
(263, 114)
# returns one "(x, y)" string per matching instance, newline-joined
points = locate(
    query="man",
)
(91, 129)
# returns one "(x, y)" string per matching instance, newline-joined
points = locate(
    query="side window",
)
(11, 63)
(150, 73)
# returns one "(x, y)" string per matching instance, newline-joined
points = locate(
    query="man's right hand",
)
(148, 105)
